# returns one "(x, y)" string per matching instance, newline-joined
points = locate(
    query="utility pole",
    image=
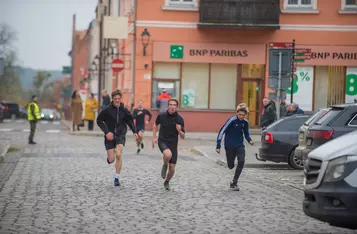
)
(133, 57)
(101, 18)
(292, 72)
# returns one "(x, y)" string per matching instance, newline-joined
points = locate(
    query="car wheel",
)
(295, 162)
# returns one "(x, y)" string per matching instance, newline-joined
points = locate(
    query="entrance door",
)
(252, 97)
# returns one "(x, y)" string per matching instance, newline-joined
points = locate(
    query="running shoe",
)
(116, 182)
(167, 185)
(234, 186)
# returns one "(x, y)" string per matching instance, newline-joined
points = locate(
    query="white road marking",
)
(53, 131)
(44, 122)
(20, 121)
(7, 120)
(56, 122)
(5, 129)
(26, 130)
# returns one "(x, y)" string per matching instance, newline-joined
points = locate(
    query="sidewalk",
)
(4, 147)
(250, 160)
(208, 136)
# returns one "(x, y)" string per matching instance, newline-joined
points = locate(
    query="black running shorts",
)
(172, 146)
(140, 129)
(118, 140)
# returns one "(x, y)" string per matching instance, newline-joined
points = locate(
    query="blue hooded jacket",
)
(234, 129)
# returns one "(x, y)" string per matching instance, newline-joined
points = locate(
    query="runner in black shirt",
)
(140, 122)
(171, 125)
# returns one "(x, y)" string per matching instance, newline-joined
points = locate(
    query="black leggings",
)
(231, 154)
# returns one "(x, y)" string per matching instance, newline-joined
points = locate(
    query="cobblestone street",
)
(64, 185)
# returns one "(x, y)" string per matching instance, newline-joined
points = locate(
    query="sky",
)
(44, 29)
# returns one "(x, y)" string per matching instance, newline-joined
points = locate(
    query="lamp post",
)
(145, 39)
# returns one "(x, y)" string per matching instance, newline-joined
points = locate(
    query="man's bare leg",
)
(110, 157)
(171, 172)
(118, 163)
(139, 142)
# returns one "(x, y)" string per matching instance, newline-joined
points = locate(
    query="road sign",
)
(299, 60)
(301, 50)
(274, 63)
(281, 44)
(117, 65)
(273, 83)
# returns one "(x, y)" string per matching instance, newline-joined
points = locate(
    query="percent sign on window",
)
(304, 76)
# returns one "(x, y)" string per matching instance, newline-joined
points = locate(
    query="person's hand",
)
(136, 136)
(251, 142)
(178, 127)
(146, 122)
(109, 136)
(154, 142)
(218, 151)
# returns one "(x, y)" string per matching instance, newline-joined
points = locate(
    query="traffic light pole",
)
(292, 72)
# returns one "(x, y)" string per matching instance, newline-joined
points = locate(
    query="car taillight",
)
(269, 138)
(326, 135)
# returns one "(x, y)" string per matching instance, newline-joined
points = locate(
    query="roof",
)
(345, 105)
(81, 34)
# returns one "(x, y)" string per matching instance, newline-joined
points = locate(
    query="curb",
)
(5, 150)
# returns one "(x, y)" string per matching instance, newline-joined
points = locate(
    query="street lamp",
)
(145, 39)
(94, 66)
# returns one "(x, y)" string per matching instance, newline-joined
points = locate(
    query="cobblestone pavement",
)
(64, 185)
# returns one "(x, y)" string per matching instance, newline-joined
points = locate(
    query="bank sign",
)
(177, 52)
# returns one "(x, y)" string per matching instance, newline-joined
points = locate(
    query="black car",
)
(2, 111)
(49, 114)
(339, 120)
(11, 111)
(279, 140)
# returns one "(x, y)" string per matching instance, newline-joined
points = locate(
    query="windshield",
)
(46, 111)
(330, 115)
(315, 117)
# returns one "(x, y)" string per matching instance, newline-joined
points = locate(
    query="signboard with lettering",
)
(188, 97)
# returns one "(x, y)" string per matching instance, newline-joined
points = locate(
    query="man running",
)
(171, 125)
(234, 128)
(113, 120)
(140, 122)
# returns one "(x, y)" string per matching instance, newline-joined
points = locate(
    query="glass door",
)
(172, 88)
(252, 97)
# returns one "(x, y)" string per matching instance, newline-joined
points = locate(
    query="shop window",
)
(223, 86)
(253, 71)
(166, 76)
(336, 85)
(299, 3)
(195, 79)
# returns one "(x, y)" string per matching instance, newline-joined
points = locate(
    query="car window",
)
(353, 122)
(290, 125)
(330, 115)
(315, 117)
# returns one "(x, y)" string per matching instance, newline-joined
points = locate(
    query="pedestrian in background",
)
(90, 108)
(269, 113)
(105, 99)
(33, 114)
(77, 110)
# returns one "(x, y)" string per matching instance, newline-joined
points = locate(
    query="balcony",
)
(263, 14)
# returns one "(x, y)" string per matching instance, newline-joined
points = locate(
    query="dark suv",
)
(11, 111)
(339, 120)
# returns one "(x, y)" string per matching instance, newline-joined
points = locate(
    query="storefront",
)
(210, 80)
(329, 77)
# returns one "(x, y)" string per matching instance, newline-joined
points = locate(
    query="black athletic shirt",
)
(140, 118)
(167, 121)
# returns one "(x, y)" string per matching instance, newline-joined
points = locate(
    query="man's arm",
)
(222, 131)
(182, 132)
(246, 132)
(149, 114)
(101, 122)
(129, 120)
(32, 109)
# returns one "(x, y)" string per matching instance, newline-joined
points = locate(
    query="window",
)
(194, 91)
(223, 86)
(291, 125)
(181, 1)
(167, 71)
(353, 122)
(299, 3)
(350, 3)
(331, 114)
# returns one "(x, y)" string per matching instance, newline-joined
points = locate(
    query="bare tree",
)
(7, 38)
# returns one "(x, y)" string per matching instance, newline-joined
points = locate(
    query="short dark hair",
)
(242, 110)
(117, 92)
(173, 100)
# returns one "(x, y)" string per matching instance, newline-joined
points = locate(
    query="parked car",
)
(279, 140)
(339, 120)
(2, 110)
(23, 112)
(11, 110)
(331, 182)
(49, 114)
(302, 134)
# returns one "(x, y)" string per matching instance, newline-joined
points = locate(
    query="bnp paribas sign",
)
(176, 51)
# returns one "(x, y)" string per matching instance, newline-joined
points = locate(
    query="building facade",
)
(212, 54)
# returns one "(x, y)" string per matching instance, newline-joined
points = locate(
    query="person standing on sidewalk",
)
(112, 120)
(171, 125)
(89, 114)
(77, 109)
(234, 129)
(33, 114)
(139, 115)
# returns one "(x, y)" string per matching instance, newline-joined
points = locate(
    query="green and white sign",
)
(303, 88)
(188, 97)
(176, 51)
(351, 84)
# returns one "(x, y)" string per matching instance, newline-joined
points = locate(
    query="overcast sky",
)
(44, 29)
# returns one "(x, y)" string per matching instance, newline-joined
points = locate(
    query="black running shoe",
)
(138, 150)
(116, 182)
(167, 185)
(142, 145)
(234, 186)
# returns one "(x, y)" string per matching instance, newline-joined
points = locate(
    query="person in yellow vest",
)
(91, 106)
(33, 114)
